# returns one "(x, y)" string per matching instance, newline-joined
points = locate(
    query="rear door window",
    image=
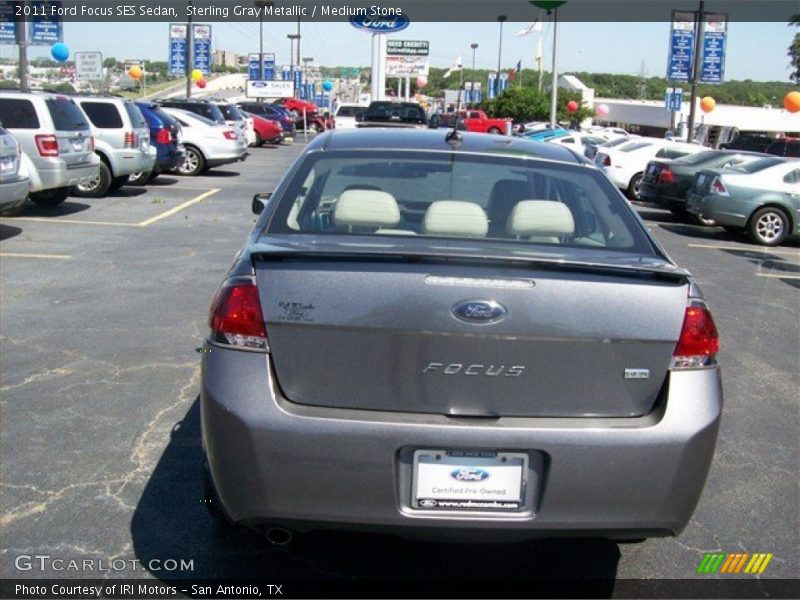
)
(18, 114)
(66, 114)
(103, 115)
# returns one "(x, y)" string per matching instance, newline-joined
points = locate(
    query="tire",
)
(633, 186)
(98, 186)
(50, 198)
(194, 163)
(318, 128)
(494, 131)
(118, 182)
(140, 178)
(259, 141)
(153, 176)
(768, 226)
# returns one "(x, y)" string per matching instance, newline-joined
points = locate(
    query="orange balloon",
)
(707, 104)
(135, 72)
(791, 102)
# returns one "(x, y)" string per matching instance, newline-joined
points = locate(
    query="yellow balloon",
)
(792, 102)
(707, 104)
(135, 72)
(197, 75)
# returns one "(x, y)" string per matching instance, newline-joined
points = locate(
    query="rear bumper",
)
(13, 193)
(720, 209)
(217, 160)
(276, 462)
(661, 196)
(125, 162)
(57, 174)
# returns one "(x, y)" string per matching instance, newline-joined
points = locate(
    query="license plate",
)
(469, 480)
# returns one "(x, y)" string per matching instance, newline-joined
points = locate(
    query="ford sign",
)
(467, 474)
(479, 311)
(380, 25)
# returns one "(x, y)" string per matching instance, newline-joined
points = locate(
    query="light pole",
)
(262, 5)
(474, 47)
(306, 60)
(501, 19)
(292, 37)
(554, 90)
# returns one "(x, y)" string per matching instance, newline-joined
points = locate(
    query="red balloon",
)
(572, 106)
(201, 83)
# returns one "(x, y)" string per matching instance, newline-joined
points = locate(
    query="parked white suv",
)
(55, 140)
(121, 140)
(14, 182)
(625, 164)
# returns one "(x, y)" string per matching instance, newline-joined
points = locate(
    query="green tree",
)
(528, 104)
(794, 50)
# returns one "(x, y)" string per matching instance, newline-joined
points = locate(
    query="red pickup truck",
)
(476, 120)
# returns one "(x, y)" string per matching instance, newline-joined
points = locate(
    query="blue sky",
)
(755, 50)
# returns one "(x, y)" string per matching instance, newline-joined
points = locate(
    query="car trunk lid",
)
(395, 333)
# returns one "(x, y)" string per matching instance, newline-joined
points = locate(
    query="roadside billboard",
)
(406, 66)
(407, 48)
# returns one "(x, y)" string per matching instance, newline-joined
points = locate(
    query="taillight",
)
(699, 341)
(236, 318)
(606, 160)
(229, 135)
(47, 145)
(719, 188)
(163, 136)
(130, 139)
(665, 175)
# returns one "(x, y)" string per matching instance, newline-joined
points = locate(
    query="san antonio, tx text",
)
(140, 590)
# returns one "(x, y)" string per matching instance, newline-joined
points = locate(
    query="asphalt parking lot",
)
(105, 301)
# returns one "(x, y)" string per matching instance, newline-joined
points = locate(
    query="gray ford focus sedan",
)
(456, 335)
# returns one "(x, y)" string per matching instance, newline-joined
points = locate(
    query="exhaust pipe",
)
(278, 536)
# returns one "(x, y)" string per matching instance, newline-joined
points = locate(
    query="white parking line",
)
(26, 255)
(73, 221)
(795, 253)
(778, 275)
(172, 211)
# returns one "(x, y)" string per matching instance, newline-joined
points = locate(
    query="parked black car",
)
(785, 147)
(752, 142)
(394, 114)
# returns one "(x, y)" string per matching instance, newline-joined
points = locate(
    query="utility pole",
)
(189, 54)
(500, 19)
(292, 37)
(474, 47)
(22, 42)
(554, 90)
(698, 46)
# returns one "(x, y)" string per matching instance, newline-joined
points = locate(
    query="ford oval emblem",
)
(467, 474)
(379, 24)
(479, 311)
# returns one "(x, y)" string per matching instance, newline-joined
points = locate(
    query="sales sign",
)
(712, 65)
(177, 49)
(407, 48)
(681, 47)
(202, 48)
(45, 23)
(269, 89)
(8, 26)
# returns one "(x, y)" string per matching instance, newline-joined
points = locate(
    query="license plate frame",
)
(506, 477)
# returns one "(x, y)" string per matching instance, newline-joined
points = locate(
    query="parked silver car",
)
(456, 335)
(207, 144)
(55, 137)
(14, 183)
(121, 140)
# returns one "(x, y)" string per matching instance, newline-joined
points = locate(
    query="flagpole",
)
(554, 90)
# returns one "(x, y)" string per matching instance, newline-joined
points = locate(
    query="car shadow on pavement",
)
(218, 173)
(161, 180)
(8, 232)
(127, 192)
(68, 207)
(171, 522)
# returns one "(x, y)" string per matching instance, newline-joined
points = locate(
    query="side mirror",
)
(260, 201)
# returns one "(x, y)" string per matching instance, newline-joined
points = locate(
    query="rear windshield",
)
(351, 111)
(388, 111)
(457, 196)
(635, 146)
(230, 112)
(103, 114)
(204, 120)
(700, 157)
(137, 120)
(209, 111)
(18, 114)
(758, 165)
(167, 118)
(66, 115)
(616, 142)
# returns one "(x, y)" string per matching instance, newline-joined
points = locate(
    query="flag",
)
(532, 28)
(515, 71)
(457, 66)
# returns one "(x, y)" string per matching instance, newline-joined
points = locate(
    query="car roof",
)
(434, 139)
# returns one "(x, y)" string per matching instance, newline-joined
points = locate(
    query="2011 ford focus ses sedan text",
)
(446, 334)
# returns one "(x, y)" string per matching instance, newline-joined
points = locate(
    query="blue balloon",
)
(59, 52)
(327, 86)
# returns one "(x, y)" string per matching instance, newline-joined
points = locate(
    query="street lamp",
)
(500, 19)
(306, 60)
(262, 5)
(292, 37)
(474, 47)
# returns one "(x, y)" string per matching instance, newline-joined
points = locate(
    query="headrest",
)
(367, 209)
(456, 218)
(540, 217)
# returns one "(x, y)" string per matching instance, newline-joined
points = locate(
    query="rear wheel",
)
(140, 178)
(194, 163)
(769, 226)
(50, 198)
(259, 141)
(97, 186)
(118, 182)
(635, 187)
(494, 131)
